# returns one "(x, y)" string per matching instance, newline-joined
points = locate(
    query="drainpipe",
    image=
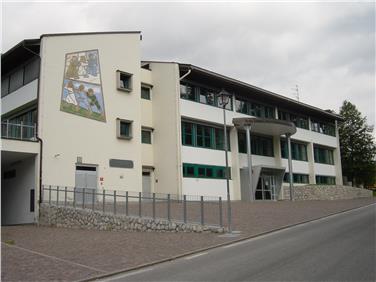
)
(37, 129)
(186, 74)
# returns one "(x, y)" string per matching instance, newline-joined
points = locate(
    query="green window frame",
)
(297, 178)
(260, 145)
(323, 155)
(298, 151)
(205, 171)
(298, 120)
(323, 128)
(203, 136)
(325, 180)
(145, 136)
(145, 93)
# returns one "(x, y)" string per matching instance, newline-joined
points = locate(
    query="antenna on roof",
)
(296, 92)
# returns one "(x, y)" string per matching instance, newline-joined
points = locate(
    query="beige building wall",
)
(68, 136)
(166, 124)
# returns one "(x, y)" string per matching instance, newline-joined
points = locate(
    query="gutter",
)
(186, 74)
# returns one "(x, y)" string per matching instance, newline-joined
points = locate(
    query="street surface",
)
(338, 248)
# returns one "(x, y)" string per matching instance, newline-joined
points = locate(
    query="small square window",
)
(146, 136)
(124, 129)
(124, 81)
(145, 93)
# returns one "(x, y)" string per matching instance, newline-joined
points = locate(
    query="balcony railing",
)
(19, 131)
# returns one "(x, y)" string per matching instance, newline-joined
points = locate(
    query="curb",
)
(94, 278)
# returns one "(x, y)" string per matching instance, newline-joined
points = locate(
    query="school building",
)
(83, 110)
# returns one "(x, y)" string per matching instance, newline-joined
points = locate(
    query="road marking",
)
(116, 277)
(54, 258)
(235, 244)
(195, 256)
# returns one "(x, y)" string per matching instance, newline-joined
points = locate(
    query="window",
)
(187, 92)
(254, 109)
(324, 128)
(326, 180)
(298, 151)
(124, 81)
(260, 145)
(31, 71)
(16, 80)
(145, 136)
(124, 129)
(145, 93)
(323, 155)
(204, 136)
(204, 171)
(5, 86)
(9, 174)
(201, 94)
(297, 178)
(299, 121)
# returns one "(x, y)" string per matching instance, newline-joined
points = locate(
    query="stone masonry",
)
(87, 219)
(326, 192)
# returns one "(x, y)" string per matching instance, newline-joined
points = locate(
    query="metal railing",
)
(19, 131)
(204, 210)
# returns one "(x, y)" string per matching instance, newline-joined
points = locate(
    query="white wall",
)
(206, 187)
(20, 97)
(67, 136)
(15, 192)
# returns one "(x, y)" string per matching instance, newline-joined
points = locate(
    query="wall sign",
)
(82, 86)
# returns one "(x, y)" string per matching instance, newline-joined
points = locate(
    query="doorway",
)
(146, 182)
(266, 187)
(86, 178)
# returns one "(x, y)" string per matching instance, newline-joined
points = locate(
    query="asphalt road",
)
(337, 248)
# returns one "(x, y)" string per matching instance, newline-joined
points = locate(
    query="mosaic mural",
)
(82, 88)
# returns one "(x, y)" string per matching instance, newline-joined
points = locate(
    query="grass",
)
(69, 108)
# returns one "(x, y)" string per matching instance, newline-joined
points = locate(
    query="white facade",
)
(71, 141)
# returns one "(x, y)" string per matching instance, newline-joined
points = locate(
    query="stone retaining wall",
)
(327, 192)
(88, 219)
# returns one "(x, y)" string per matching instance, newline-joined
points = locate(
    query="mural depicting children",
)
(92, 66)
(72, 70)
(93, 101)
(82, 87)
(70, 98)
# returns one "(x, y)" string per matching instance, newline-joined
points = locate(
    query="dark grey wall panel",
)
(121, 163)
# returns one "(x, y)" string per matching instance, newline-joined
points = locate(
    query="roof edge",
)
(89, 33)
(279, 96)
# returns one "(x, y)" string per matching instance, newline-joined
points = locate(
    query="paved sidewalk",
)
(44, 254)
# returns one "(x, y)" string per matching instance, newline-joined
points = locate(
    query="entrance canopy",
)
(266, 126)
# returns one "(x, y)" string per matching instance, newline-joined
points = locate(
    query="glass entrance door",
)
(266, 188)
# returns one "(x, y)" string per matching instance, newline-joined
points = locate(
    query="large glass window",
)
(326, 180)
(16, 80)
(254, 109)
(204, 171)
(145, 93)
(297, 178)
(187, 92)
(324, 128)
(298, 151)
(207, 96)
(323, 155)
(31, 71)
(299, 121)
(260, 145)
(204, 136)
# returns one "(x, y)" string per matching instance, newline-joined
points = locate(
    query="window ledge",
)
(125, 89)
(125, 137)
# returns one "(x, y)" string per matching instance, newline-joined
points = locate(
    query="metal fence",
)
(204, 210)
(18, 131)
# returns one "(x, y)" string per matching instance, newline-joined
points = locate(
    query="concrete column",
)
(288, 137)
(249, 159)
(337, 158)
(235, 166)
(277, 150)
(311, 163)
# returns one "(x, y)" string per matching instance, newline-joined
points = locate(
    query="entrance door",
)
(146, 182)
(86, 177)
(266, 187)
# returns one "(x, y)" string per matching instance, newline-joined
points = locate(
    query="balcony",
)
(18, 131)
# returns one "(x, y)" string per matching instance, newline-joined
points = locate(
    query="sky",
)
(327, 49)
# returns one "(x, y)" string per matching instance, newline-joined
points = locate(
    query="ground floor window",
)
(204, 171)
(297, 178)
(326, 180)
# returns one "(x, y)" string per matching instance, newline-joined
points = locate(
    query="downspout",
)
(186, 74)
(37, 129)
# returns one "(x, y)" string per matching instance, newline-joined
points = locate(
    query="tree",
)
(358, 149)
